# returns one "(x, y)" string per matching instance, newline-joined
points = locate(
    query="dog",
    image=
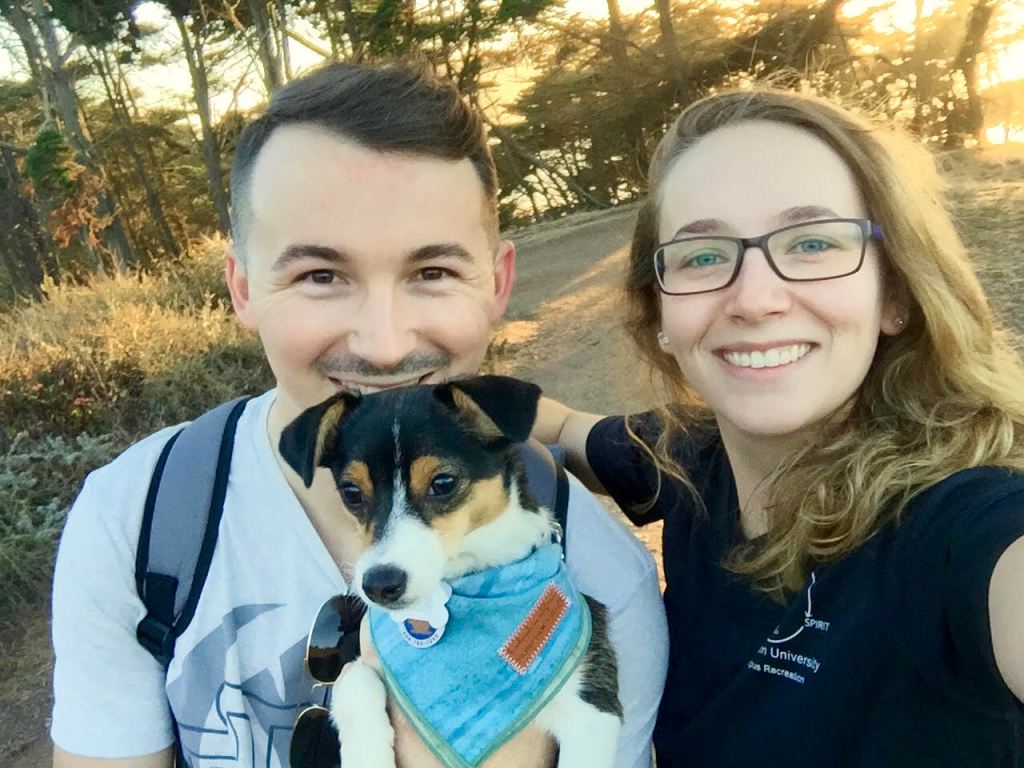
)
(459, 560)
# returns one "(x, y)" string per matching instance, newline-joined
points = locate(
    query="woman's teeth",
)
(770, 358)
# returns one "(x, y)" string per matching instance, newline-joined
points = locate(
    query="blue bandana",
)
(514, 635)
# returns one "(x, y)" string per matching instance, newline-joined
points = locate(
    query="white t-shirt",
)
(238, 680)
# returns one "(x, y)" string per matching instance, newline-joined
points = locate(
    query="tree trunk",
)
(265, 45)
(323, 9)
(969, 120)
(616, 34)
(208, 142)
(669, 43)
(816, 34)
(352, 29)
(65, 102)
(123, 123)
(922, 89)
(24, 247)
(282, 40)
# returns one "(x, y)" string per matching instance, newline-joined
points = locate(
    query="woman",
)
(840, 465)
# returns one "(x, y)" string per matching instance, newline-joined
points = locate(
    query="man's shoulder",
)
(135, 463)
(601, 549)
(134, 466)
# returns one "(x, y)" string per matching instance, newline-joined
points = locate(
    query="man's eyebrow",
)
(308, 251)
(440, 250)
(700, 227)
(806, 213)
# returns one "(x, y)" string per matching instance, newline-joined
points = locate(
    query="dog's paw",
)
(359, 710)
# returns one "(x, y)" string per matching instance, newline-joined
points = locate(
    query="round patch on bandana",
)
(420, 633)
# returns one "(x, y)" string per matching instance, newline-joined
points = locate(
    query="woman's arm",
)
(1006, 616)
(557, 423)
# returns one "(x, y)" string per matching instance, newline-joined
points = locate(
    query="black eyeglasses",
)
(333, 642)
(814, 250)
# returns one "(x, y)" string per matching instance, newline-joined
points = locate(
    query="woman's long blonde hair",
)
(945, 394)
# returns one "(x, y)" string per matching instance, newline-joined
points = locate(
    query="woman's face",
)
(772, 358)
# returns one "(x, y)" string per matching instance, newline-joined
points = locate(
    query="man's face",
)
(366, 270)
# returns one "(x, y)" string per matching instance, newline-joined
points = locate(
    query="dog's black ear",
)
(495, 406)
(308, 441)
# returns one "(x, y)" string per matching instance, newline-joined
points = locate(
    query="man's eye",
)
(319, 277)
(432, 274)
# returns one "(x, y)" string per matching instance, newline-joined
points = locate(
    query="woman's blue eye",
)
(705, 259)
(812, 245)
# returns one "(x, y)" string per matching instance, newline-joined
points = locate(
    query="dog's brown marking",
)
(422, 470)
(359, 473)
(475, 415)
(530, 637)
(328, 423)
(485, 502)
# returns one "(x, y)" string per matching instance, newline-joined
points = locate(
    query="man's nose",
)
(758, 291)
(382, 329)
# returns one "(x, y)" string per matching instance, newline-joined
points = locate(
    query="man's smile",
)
(370, 385)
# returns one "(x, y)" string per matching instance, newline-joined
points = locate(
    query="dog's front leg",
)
(587, 737)
(359, 711)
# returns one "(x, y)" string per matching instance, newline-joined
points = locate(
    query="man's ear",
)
(309, 441)
(496, 407)
(504, 278)
(237, 278)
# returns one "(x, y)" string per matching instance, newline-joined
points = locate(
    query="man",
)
(366, 255)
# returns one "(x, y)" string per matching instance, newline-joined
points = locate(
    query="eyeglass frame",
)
(869, 231)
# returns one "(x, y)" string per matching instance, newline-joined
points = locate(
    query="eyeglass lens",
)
(314, 741)
(334, 638)
(812, 251)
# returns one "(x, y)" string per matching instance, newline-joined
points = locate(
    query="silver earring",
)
(900, 322)
(662, 338)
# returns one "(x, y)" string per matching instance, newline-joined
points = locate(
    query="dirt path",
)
(562, 328)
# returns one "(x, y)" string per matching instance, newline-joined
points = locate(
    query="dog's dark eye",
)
(442, 485)
(351, 494)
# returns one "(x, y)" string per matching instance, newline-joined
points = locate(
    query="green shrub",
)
(126, 355)
(120, 357)
(39, 478)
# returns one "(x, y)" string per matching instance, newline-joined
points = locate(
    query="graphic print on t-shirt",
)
(239, 722)
(786, 652)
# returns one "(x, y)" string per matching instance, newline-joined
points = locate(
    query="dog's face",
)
(420, 468)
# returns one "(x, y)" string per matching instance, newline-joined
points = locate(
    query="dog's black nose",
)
(384, 584)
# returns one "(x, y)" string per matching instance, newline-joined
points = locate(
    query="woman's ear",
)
(897, 306)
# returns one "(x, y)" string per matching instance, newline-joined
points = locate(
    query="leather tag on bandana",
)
(530, 637)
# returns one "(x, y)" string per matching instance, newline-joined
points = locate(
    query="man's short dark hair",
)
(398, 108)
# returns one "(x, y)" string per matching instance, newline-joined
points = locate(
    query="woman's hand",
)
(557, 423)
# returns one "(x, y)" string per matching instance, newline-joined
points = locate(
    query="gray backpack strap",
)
(180, 523)
(546, 479)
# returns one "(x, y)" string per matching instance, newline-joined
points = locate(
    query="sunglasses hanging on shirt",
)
(333, 642)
